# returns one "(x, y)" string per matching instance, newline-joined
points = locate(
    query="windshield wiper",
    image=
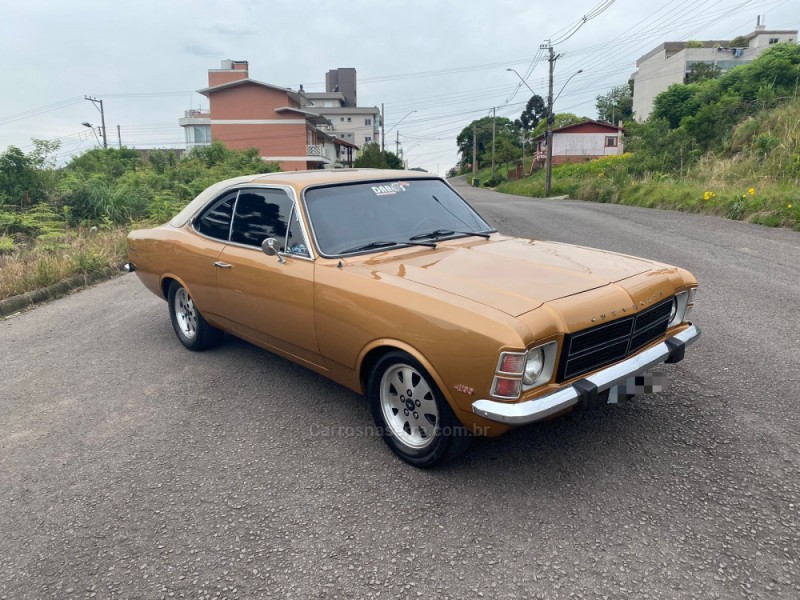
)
(437, 233)
(386, 243)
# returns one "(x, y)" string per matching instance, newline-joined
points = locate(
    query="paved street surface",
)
(132, 468)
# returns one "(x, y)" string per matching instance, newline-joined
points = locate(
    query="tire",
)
(192, 329)
(419, 427)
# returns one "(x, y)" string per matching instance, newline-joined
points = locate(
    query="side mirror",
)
(270, 247)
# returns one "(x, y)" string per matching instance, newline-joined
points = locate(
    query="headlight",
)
(533, 366)
(681, 307)
(520, 371)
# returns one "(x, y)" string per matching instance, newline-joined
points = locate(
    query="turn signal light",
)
(507, 388)
(512, 363)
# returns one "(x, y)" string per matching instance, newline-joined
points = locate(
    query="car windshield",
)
(375, 216)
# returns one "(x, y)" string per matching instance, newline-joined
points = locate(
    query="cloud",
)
(231, 30)
(200, 49)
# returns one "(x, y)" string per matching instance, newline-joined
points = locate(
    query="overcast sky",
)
(445, 59)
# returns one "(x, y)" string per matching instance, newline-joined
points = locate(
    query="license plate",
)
(644, 383)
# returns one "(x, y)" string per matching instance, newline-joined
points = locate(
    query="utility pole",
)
(523, 151)
(119, 138)
(397, 144)
(474, 154)
(548, 165)
(494, 132)
(95, 101)
(383, 129)
(383, 137)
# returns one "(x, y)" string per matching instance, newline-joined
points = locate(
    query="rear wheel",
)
(192, 329)
(413, 417)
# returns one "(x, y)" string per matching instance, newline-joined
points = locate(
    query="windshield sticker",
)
(390, 189)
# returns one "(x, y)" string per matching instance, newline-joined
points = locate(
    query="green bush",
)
(7, 244)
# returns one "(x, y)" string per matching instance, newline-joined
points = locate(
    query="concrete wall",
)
(584, 144)
(662, 69)
(356, 126)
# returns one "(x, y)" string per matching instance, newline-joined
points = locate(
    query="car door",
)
(195, 261)
(270, 298)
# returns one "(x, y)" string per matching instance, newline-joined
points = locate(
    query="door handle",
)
(222, 265)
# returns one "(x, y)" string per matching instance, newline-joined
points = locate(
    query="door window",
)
(215, 222)
(295, 240)
(261, 214)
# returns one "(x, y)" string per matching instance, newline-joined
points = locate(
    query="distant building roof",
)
(348, 110)
(238, 82)
(324, 95)
(604, 124)
(310, 116)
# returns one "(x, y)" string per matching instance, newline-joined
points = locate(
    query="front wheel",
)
(413, 417)
(192, 329)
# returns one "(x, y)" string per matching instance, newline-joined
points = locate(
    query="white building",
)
(353, 124)
(670, 62)
(359, 125)
(580, 142)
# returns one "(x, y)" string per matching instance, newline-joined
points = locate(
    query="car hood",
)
(512, 275)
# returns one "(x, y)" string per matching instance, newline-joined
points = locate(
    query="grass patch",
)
(38, 263)
(710, 190)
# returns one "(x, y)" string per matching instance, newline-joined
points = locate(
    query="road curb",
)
(15, 304)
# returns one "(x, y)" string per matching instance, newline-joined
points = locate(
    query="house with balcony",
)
(246, 113)
(580, 142)
(670, 62)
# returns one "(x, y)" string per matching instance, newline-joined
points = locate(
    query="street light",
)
(400, 121)
(522, 80)
(90, 126)
(95, 101)
(397, 143)
(548, 164)
(566, 82)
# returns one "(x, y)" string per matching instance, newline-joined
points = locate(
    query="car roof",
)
(301, 179)
(296, 179)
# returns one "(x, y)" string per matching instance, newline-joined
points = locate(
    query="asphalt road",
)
(132, 468)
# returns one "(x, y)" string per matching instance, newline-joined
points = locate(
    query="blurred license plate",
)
(644, 383)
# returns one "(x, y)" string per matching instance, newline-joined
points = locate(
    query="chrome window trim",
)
(290, 192)
(233, 213)
(379, 180)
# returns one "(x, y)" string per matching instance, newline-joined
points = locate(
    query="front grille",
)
(599, 346)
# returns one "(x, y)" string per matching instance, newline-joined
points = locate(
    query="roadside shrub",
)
(6, 244)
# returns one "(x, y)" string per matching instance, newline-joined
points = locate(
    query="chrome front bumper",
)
(586, 389)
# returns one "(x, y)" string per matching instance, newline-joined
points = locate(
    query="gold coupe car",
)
(392, 285)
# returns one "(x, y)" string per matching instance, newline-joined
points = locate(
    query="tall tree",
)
(700, 71)
(370, 157)
(616, 104)
(559, 120)
(535, 111)
(483, 129)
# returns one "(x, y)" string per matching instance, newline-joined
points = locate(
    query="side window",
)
(215, 222)
(295, 240)
(261, 214)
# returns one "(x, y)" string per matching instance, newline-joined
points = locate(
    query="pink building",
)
(245, 113)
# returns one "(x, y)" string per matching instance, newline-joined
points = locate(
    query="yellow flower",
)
(752, 191)
(788, 206)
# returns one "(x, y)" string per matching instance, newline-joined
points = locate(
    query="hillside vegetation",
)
(728, 146)
(59, 222)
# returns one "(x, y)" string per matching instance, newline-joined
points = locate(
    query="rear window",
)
(215, 222)
(354, 215)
